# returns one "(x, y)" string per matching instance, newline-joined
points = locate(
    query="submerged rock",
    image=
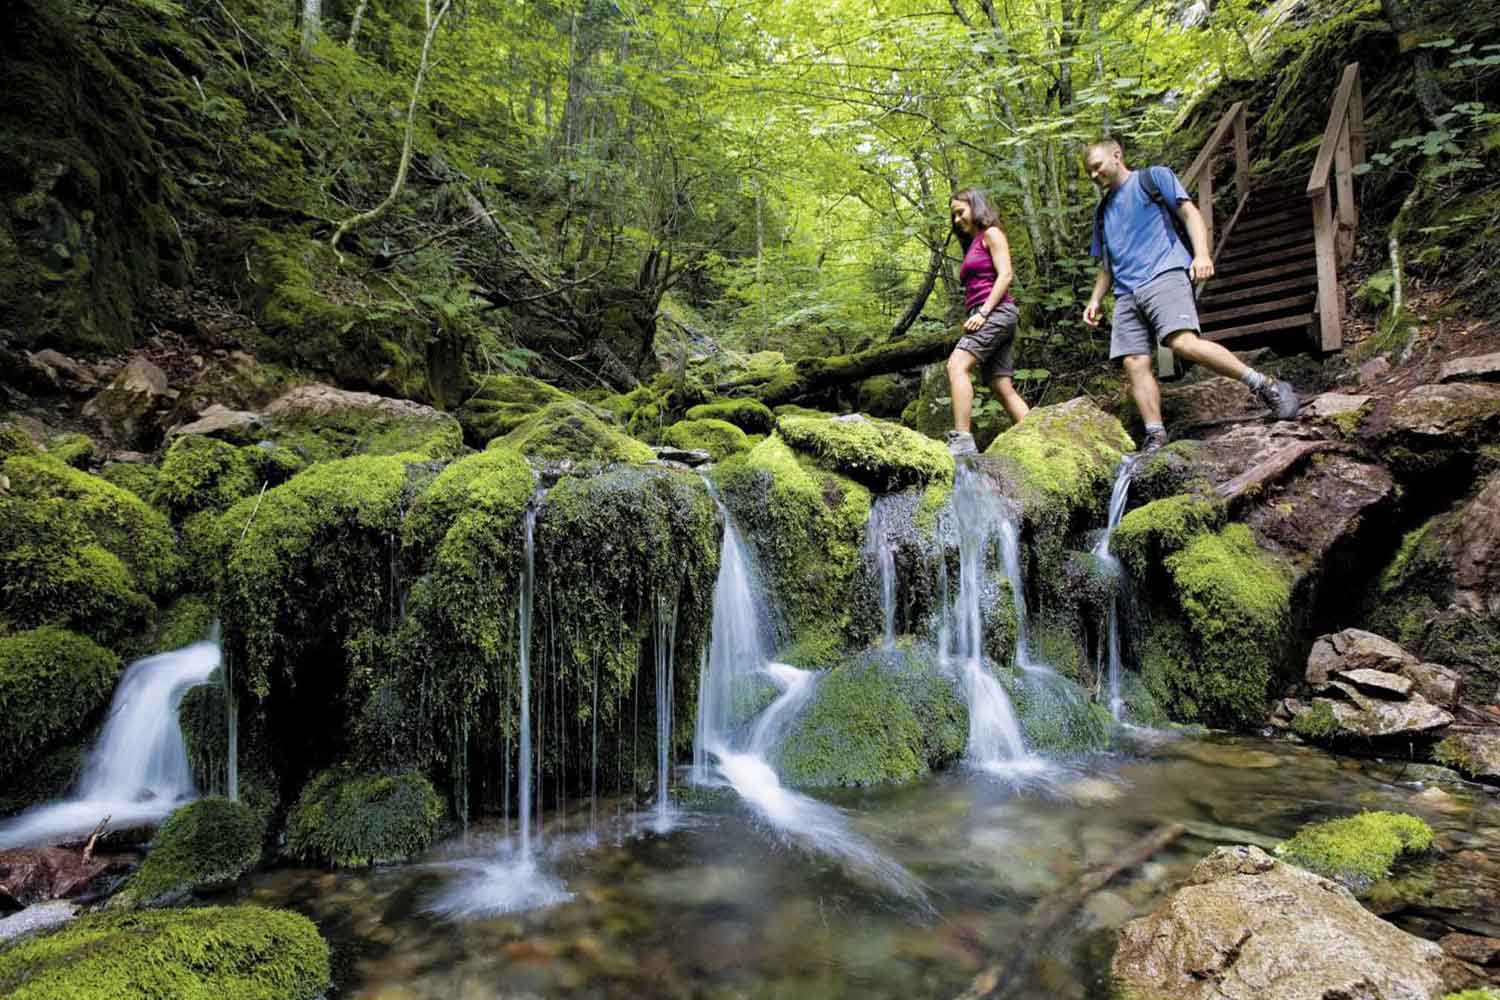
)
(1248, 927)
(1359, 850)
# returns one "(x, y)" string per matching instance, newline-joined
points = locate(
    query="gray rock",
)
(1248, 927)
(1453, 411)
(687, 456)
(1376, 718)
(126, 410)
(221, 422)
(1435, 682)
(38, 917)
(1354, 649)
(1477, 551)
(1333, 404)
(75, 376)
(1377, 682)
(1480, 368)
(1476, 754)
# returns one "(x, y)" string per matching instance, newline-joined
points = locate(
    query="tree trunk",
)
(354, 23)
(351, 223)
(919, 301)
(312, 15)
(1429, 94)
(812, 375)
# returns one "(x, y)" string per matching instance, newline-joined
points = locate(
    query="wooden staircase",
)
(1276, 260)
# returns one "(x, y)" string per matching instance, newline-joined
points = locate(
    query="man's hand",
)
(1091, 314)
(1202, 269)
(974, 322)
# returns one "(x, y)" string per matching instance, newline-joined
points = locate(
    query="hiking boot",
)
(1280, 397)
(1153, 441)
(961, 443)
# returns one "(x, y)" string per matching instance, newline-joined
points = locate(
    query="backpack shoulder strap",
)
(1099, 221)
(1148, 184)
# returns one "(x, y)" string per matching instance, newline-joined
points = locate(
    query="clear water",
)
(137, 771)
(1115, 669)
(723, 907)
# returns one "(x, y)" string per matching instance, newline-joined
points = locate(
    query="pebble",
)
(36, 918)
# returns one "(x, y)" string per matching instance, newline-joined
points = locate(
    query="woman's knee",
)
(959, 364)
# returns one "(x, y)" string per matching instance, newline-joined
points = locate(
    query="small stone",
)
(1378, 682)
(1092, 791)
(1480, 368)
(1373, 369)
(221, 422)
(1435, 682)
(1333, 404)
(686, 456)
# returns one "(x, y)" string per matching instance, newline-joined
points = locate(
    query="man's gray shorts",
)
(1161, 307)
(994, 343)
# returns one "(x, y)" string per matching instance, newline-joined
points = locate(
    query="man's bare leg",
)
(1143, 387)
(1278, 395)
(1005, 391)
(960, 388)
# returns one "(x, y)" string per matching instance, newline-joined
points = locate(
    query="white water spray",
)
(1117, 499)
(138, 771)
(666, 638)
(880, 548)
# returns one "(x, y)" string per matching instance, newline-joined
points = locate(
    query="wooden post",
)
(1241, 157)
(1357, 118)
(1343, 177)
(1330, 329)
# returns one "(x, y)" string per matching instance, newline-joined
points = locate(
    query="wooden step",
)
(1221, 283)
(1236, 313)
(1301, 321)
(1277, 203)
(1256, 262)
(1238, 250)
(1261, 290)
(1250, 224)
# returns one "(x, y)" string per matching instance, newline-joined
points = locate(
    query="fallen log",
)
(1048, 913)
(807, 376)
(1247, 485)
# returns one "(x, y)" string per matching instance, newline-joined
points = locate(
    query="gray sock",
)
(1155, 429)
(1253, 379)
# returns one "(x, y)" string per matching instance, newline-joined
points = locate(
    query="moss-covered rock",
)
(75, 449)
(186, 620)
(570, 431)
(882, 456)
(873, 720)
(806, 526)
(53, 683)
(884, 396)
(1215, 663)
(749, 415)
(1358, 850)
(1147, 535)
(501, 403)
(717, 437)
(1063, 459)
(202, 845)
(44, 779)
(134, 477)
(319, 422)
(213, 953)
(348, 819)
(203, 473)
(1168, 471)
(1058, 718)
(641, 412)
(15, 441)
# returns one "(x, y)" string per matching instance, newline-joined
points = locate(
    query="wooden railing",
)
(1335, 215)
(1201, 176)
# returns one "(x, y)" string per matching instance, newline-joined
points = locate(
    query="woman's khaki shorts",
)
(994, 343)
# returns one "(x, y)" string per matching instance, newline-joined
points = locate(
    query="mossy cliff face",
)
(349, 819)
(202, 845)
(213, 953)
(53, 683)
(805, 525)
(875, 719)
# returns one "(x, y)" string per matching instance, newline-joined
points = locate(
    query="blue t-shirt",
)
(1142, 243)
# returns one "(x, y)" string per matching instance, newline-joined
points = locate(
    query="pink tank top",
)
(977, 275)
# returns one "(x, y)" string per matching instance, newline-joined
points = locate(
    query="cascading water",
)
(510, 880)
(995, 742)
(666, 638)
(138, 771)
(1117, 499)
(735, 653)
(880, 547)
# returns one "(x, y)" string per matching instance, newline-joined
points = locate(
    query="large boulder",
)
(1434, 428)
(500, 404)
(1249, 927)
(882, 456)
(1372, 689)
(1062, 460)
(718, 438)
(349, 819)
(203, 845)
(53, 683)
(1476, 551)
(321, 422)
(570, 433)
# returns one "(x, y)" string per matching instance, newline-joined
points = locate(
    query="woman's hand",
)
(974, 322)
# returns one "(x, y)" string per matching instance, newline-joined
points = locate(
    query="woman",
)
(989, 338)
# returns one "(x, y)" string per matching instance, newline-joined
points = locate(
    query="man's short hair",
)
(1103, 142)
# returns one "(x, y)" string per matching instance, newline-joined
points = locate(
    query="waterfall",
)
(527, 593)
(735, 655)
(1117, 498)
(666, 637)
(880, 548)
(138, 770)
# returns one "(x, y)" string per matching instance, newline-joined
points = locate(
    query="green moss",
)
(496, 483)
(77, 450)
(15, 441)
(501, 403)
(1478, 993)
(202, 717)
(937, 497)
(1147, 535)
(349, 819)
(818, 649)
(202, 845)
(1235, 600)
(641, 412)
(717, 437)
(875, 720)
(204, 473)
(1167, 472)
(185, 621)
(117, 520)
(571, 431)
(135, 477)
(44, 779)
(1058, 718)
(884, 396)
(882, 456)
(302, 434)
(749, 415)
(1316, 723)
(806, 526)
(213, 953)
(52, 684)
(1064, 458)
(1359, 850)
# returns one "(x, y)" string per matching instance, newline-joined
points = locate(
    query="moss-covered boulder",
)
(202, 845)
(134, 477)
(53, 683)
(213, 953)
(1148, 534)
(1476, 755)
(717, 437)
(1058, 718)
(1437, 429)
(204, 473)
(319, 422)
(749, 415)
(875, 719)
(1212, 655)
(930, 412)
(570, 431)
(501, 403)
(349, 819)
(885, 396)
(43, 779)
(77, 450)
(641, 412)
(882, 456)
(1359, 850)
(806, 526)
(1062, 460)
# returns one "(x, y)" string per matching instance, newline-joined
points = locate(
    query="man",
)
(1152, 272)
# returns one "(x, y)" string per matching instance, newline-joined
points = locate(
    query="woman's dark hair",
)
(980, 208)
